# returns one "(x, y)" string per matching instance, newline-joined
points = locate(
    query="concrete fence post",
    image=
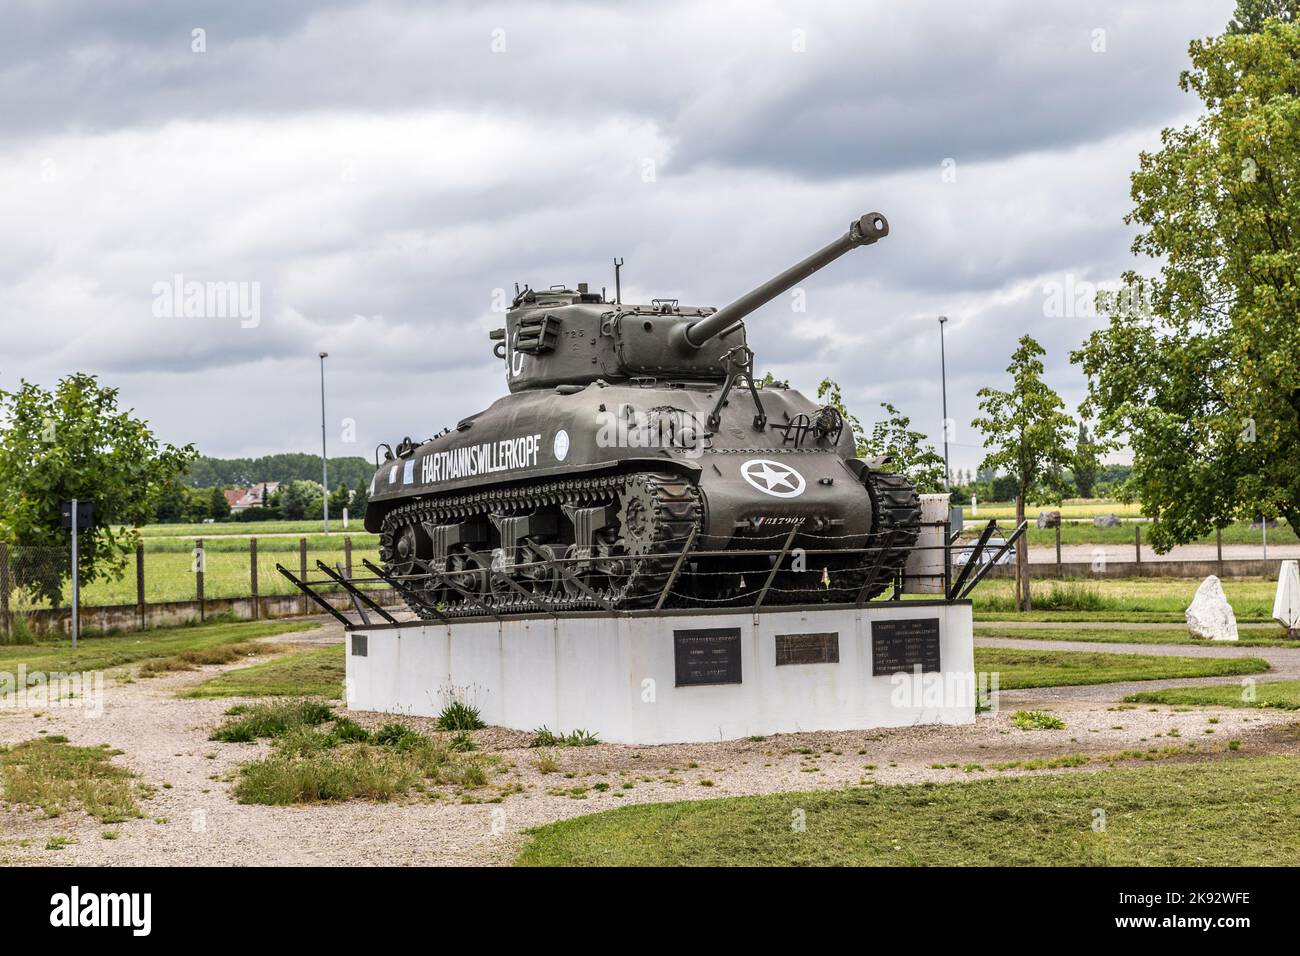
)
(139, 583)
(252, 575)
(347, 556)
(200, 560)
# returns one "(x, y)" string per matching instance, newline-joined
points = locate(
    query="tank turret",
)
(565, 337)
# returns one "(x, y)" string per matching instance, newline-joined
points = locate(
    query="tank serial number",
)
(481, 459)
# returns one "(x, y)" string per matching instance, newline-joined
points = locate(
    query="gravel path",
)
(196, 821)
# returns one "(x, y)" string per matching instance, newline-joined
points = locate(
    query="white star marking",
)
(773, 478)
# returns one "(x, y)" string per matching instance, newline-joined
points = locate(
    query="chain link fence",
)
(168, 581)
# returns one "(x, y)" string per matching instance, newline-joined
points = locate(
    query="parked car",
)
(994, 545)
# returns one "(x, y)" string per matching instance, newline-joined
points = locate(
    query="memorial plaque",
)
(707, 655)
(807, 649)
(360, 645)
(901, 645)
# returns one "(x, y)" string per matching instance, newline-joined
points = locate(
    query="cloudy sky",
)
(376, 171)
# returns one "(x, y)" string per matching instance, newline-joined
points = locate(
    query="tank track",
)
(896, 507)
(660, 511)
(667, 508)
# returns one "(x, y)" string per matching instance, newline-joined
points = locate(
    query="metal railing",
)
(862, 578)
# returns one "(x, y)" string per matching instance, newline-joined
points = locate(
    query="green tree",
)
(1204, 384)
(172, 502)
(218, 506)
(908, 450)
(74, 442)
(339, 499)
(299, 499)
(893, 438)
(829, 392)
(360, 498)
(1252, 15)
(1086, 463)
(1029, 437)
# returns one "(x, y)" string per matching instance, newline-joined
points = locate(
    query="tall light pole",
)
(943, 379)
(324, 462)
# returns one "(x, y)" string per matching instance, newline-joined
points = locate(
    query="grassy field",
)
(1070, 508)
(170, 576)
(1152, 635)
(1121, 599)
(1229, 813)
(101, 653)
(1283, 694)
(317, 673)
(1121, 538)
(251, 528)
(1018, 669)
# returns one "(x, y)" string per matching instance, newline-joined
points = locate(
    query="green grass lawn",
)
(1152, 635)
(308, 527)
(316, 672)
(1019, 668)
(1070, 508)
(1119, 540)
(1283, 694)
(101, 653)
(1234, 812)
(1121, 599)
(169, 573)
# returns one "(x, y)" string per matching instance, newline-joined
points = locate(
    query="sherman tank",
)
(636, 462)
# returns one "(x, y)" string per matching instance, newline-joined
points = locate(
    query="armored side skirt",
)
(648, 678)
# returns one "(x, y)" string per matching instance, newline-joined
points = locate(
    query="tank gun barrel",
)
(862, 232)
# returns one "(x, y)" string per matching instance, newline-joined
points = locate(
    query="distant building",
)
(241, 499)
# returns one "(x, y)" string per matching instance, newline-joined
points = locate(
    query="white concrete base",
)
(617, 675)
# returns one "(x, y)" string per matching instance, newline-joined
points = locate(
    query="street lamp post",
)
(943, 380)
(324, 462)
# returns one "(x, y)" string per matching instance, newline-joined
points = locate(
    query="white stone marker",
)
(1210, 615)
(1286, 605)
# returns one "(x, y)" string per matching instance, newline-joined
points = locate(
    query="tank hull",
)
(570, 499)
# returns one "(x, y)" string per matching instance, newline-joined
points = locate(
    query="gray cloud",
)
(380, 173)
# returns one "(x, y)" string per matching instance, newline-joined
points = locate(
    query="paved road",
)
(1287, 547)
(1113, 626)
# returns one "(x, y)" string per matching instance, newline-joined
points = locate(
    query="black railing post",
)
(302, 566)
(771, 575)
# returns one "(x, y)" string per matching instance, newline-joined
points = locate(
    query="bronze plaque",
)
(707, 655)
(807, 649)
(901, 645)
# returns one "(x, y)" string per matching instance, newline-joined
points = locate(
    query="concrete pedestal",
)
(679, 677)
